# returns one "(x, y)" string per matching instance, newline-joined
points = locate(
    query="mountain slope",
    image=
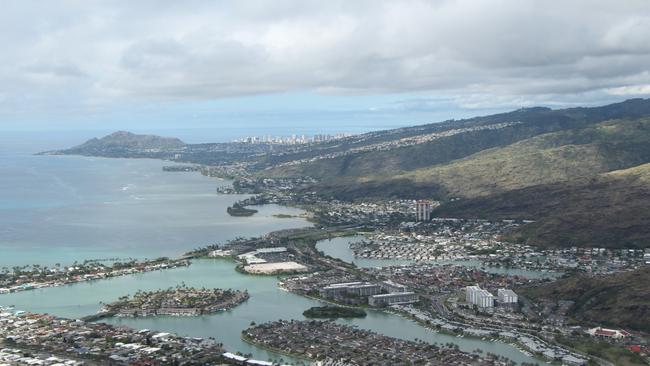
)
(545, 159)
(608, 210)
(393, 151)
(585, 186)
(620, 300)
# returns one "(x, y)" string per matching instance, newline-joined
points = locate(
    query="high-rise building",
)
(479, 297)
(423, 210)
(507, 296)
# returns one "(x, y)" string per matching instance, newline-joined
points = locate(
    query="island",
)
(238, 210)
(175, 301)
(332, 312)
(284, 216)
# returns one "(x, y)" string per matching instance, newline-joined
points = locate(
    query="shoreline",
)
(252, 342)
(96, 275)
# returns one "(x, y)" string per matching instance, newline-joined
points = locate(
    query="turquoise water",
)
(267, 303)
(340, 248)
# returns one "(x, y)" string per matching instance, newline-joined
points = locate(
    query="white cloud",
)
(634, 90)
(107, 51)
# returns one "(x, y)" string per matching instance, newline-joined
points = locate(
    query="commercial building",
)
(351, 288)
(479, 297)
(398, 298)
(392, 287)
(423, 210)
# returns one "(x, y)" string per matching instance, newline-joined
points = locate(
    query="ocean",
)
(61, 209)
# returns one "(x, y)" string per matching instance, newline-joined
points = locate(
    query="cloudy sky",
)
(332, 65)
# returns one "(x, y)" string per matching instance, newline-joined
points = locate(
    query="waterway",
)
(340, 248)
(267, 303)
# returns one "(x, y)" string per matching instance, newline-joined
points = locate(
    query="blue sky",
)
(302, 112)
(283, 66)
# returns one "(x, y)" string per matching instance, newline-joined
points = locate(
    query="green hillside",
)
(620, 300)
(549, 158)
(583, 187)
(354, 158)
(609, 210)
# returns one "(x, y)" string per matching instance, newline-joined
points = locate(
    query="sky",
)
(253, 67)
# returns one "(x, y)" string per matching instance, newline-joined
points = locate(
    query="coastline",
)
(252, 342)
(142, 267)
(313, 247)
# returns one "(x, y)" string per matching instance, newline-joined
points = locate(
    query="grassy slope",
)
(620, 300)
(608, 210)
(557, 178)
(549, 158)
(533, 122)
(561, 179)
(615, 353)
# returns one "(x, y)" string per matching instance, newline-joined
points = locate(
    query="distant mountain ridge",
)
(132, 140)
(524, 124)
(127, 140)
(124, 144)
(580, 173)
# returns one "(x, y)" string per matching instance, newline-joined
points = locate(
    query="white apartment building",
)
(479, 297)
(423, 210)
(507, 296)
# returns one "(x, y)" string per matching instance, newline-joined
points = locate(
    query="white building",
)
(393, 287)
(354, 288)
(271, 250)
(507, 296)
(479, 297)
(470, 293)
(423, 210)
(608, 333)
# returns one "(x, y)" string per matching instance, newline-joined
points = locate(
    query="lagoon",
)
(340, 248)
(267, 303)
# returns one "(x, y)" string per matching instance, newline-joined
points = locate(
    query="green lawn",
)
(616, 354)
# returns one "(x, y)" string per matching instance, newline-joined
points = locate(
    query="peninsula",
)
(239, 210)
(36, 276)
